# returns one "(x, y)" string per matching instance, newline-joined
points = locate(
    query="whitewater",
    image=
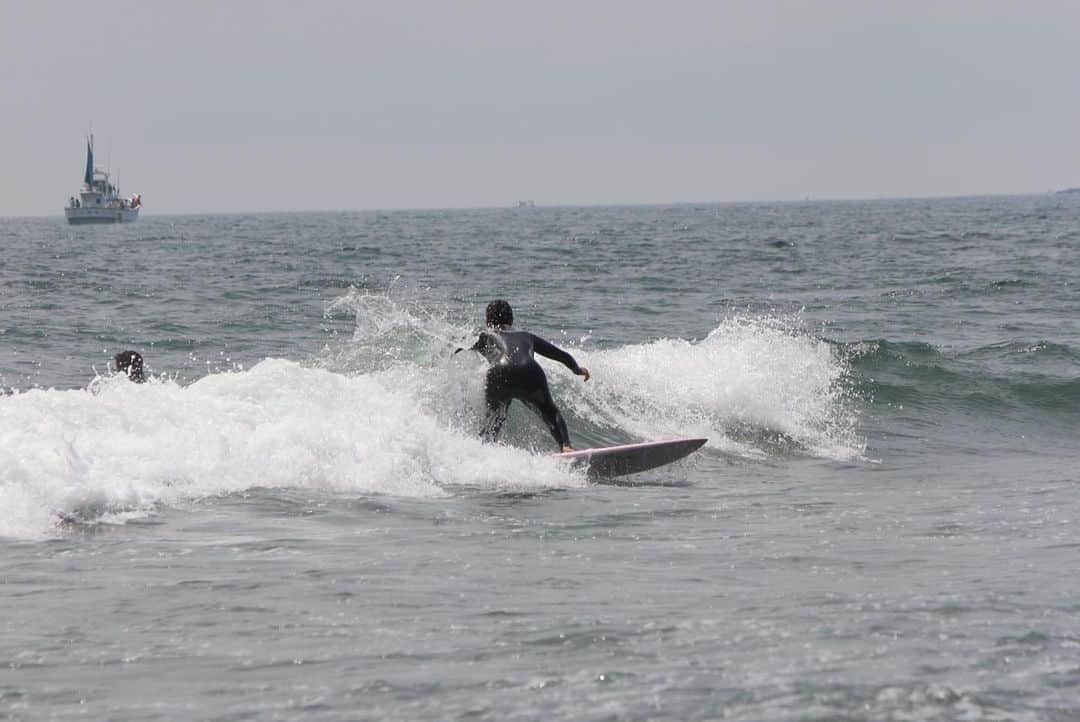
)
(116, 451)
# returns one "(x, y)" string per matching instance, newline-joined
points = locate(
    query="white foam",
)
(120, 447)
(748, 377)
(398, 415)
(752, 385)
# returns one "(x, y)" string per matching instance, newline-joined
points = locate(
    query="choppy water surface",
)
(294, 518)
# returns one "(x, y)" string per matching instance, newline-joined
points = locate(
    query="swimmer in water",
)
(130, 364)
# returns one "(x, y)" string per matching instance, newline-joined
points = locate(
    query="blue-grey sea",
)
(295, 519)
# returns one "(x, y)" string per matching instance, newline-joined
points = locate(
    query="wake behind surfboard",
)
(608, 461)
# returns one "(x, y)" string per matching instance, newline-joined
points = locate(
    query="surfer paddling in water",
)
(515, 373)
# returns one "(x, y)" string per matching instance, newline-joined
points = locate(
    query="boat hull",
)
(87, 216)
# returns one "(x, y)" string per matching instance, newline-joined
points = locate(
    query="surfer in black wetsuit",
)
(515, 373)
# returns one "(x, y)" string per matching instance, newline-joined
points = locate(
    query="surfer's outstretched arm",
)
(555, 353)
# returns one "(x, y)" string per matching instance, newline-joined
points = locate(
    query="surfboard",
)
(608, 461)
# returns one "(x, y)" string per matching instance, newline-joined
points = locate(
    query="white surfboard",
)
(609, 461)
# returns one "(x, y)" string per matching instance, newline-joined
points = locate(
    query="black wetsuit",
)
(515, 374)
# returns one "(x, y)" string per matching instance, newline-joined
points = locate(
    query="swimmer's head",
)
(130, 364)
(499, 314)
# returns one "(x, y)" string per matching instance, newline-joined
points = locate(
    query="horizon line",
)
(533, 205)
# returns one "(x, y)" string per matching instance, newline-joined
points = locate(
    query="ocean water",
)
(294, 518)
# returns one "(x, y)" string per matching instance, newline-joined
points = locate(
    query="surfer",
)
(515, 373)
(130, 364)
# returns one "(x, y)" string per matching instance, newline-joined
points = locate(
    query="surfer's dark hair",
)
(499, 314)
(129, 363)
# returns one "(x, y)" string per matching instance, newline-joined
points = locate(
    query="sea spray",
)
(758, 375)
(756, 385)
(389, 328)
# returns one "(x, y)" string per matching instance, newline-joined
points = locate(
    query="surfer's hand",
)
(584, 372)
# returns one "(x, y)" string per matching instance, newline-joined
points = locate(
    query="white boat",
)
(99, 201)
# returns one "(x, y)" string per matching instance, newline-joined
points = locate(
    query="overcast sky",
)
(276, 106)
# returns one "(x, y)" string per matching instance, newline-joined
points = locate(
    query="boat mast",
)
(88, 178)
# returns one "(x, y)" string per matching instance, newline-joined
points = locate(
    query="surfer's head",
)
(499, 314)
(129, 363)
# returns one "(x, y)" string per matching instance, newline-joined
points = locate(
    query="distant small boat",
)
(99, 201)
